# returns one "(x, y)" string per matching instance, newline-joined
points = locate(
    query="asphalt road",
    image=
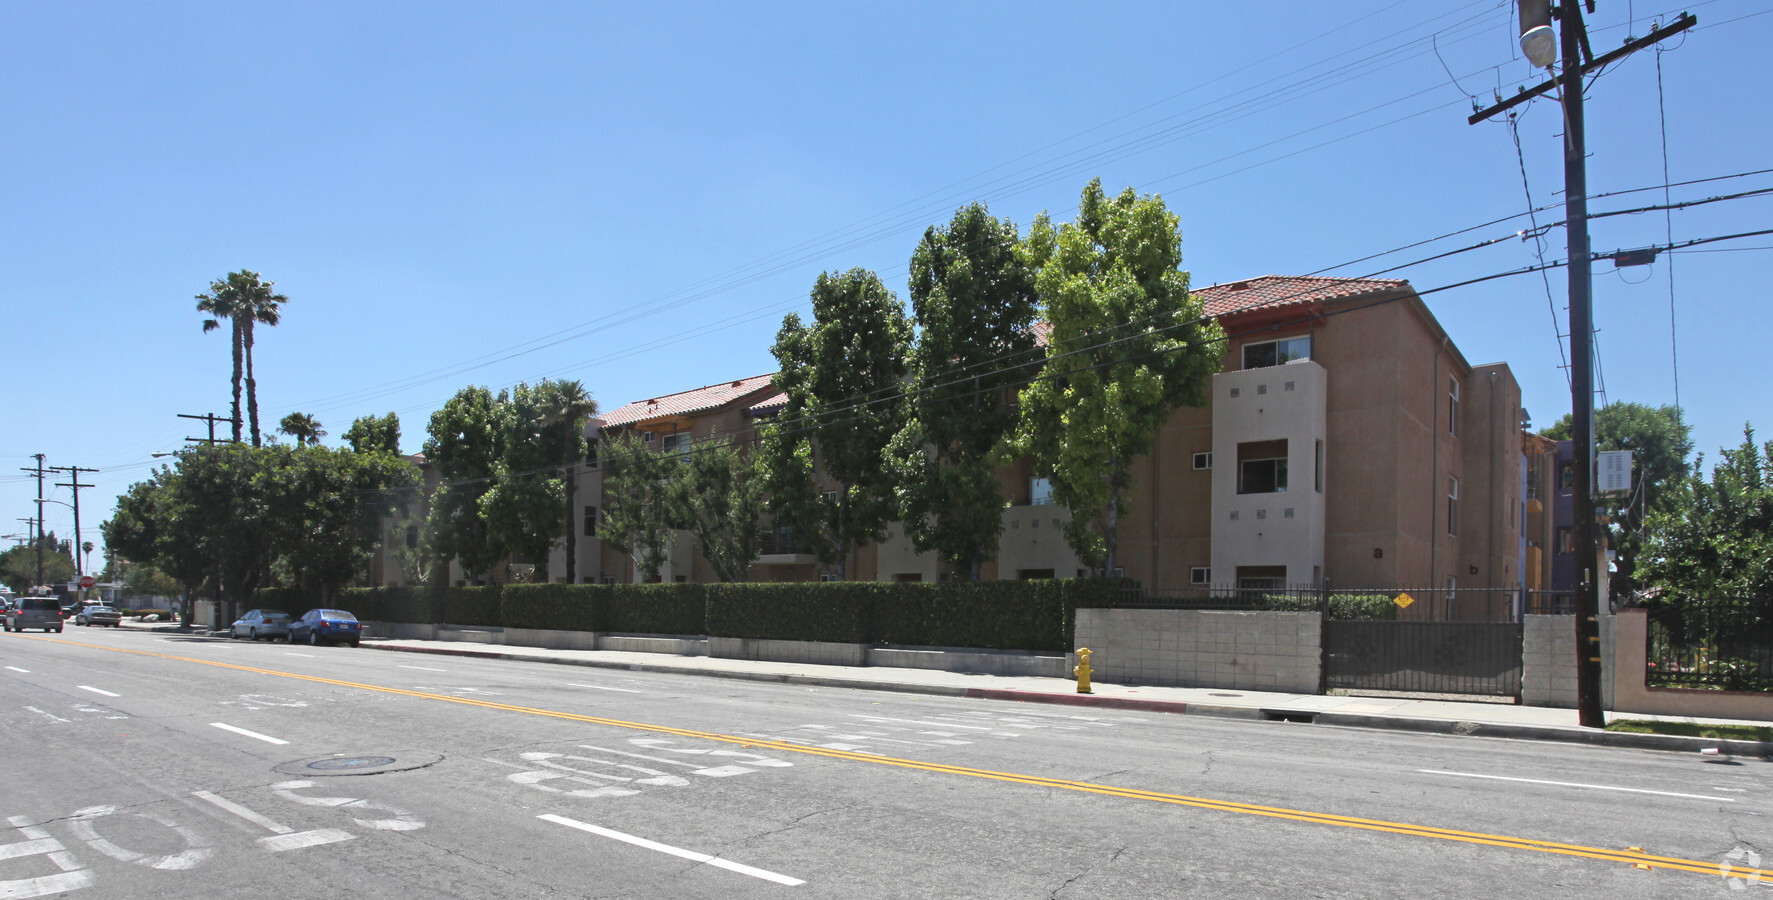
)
(142, 764)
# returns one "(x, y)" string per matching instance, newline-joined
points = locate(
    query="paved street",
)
(144, 764)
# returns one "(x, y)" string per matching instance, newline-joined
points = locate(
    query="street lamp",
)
(1538, 41)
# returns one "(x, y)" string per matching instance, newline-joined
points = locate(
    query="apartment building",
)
(1347, 440)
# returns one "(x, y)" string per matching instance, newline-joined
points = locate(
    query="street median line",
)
(1632, 857)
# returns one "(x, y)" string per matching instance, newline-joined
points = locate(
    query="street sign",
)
(87, 581)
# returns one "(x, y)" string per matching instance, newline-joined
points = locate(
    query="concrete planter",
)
(979, 662)
(1257, 651)
(815, 652)
(654, 643)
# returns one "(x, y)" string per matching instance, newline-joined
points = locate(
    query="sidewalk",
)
(1451, 717)
(1502, 720)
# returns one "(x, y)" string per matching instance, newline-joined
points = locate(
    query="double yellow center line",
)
(1632, 857)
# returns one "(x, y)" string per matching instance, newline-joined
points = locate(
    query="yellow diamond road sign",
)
(1403, 601)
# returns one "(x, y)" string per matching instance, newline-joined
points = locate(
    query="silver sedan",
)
(267, 624)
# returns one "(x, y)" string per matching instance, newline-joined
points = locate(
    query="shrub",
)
(806, 611)
(1362, 606)
(655, 609)
(563, 607)
(470, 606)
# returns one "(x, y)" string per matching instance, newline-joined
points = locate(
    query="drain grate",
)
(351, 762)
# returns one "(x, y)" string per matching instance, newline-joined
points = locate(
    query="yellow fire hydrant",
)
(1082, 670)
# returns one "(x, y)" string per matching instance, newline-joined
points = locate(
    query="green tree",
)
(244, 300)
(973, 295)
(637, 492)
(328, 508)
(464, 444)
(1714, 538)
(843, 379)
(18, 565)
(522, 509)
(1661, 441)
(567, 409)
(719, 495)
(303, 427)
(374, 434)
(143, 580)
(1128, 345)
(152, 525)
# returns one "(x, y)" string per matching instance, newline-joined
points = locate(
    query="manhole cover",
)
(351, 762)
(359, 763)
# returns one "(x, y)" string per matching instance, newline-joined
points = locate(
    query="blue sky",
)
(459, 194)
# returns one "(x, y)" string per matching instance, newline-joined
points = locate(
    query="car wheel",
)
(313, 639)
(354, 642)
(252, 634)
(58, 631)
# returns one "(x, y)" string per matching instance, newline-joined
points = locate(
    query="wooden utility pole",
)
(74, 482)
(1578, 61)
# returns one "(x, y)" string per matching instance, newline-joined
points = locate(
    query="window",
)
(591, 453)
(1200, 575)
(1203, 460)
(412, 537)
(828, 576)
(676, 443)
(1453, 406)
(904, 577)
(1040, 492)
(1566, 476)
(1452, 506)
(831, 497)
(1319, 458)
(590, 521)
(1276, 353)
(1262, 467)
(1566, 540)
(646, 437)
(1261, 577)
(1034, 574)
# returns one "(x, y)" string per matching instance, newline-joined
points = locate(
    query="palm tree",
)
(243, 300)
(571, 404)
(303, 427)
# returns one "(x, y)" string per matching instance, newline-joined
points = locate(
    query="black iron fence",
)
(1723, 644)
(1418, 603)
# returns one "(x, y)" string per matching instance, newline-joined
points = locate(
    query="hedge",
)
(1005, 615)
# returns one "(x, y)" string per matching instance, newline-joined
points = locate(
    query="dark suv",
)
(35, 612)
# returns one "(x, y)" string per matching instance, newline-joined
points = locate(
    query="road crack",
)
(1054, 894)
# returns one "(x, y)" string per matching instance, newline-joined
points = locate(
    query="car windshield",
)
(40, 603)
(337, 615)
(276, 617)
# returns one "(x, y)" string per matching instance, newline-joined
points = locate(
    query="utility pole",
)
(210, 418)
(38, 471)
(1578, 60)
(74, 482)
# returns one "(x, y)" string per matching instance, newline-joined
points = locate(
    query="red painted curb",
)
(1165, 706)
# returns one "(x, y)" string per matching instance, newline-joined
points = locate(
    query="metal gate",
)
(1424, 657)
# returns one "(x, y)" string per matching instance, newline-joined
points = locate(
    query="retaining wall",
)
(1258, 651)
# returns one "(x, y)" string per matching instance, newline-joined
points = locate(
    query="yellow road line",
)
(1634, 857)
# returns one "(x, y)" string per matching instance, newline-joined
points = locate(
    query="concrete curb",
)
(1666, 742)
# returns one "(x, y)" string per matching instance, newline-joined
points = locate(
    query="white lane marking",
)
(302, 655)
(424, 668)
(88, 687)
(599, 687)
(251, 734)
(17, 669)
(402, 821)
(678, 852)
(84, 827)
(51, 715)
(1597, 787)
(282, 837)
(912, 722)
(37, 841)
(277, 843)
(243, 812)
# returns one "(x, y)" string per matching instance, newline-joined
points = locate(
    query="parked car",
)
(326, 626)
(35, 612)
(98, 615)
(261, 623)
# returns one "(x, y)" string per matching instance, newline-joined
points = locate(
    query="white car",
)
(267, 624)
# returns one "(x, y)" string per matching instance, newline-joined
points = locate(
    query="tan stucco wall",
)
(1630, 695)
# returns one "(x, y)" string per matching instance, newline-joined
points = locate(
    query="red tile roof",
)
(687, 403)
(773, 402)
(1275, 291)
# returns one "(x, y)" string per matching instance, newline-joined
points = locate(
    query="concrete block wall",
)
(1257, 651)
(1548, 661)
(815, 652)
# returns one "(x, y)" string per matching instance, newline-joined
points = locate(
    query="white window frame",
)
(646, 437)
(1040, 491)
(1282, 479)
(1203, 461)
(1200, 575)
(1452, 506)
(1453, 406)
